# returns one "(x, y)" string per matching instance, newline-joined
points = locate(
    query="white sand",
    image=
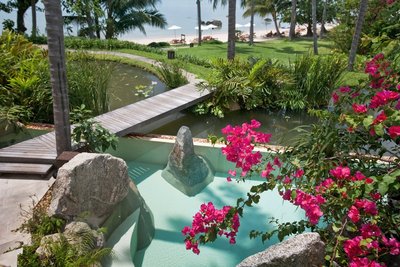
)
(221, 36)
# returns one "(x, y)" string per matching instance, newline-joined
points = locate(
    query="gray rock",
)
(89, 186)
(304, 250)
(185, 170)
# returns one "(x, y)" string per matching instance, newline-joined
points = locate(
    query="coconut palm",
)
(231, 24)
(199, 19)
(314, 22)
(126, 15)
(357, 33)
(292, 33)
(265, 7)
(55, 41)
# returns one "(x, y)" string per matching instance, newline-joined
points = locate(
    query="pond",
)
(279, 123)
(130, 84)
(173, 210)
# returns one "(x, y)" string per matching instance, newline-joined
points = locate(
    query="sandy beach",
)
(219, 35)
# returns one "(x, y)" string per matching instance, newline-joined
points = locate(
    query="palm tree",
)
(34, 24)
(126, 15)
(55, 41)
(231, 24)
(231, 29)
(199, 19)
(357, 33)
(314, 22)
(265, 7)
(292, 31)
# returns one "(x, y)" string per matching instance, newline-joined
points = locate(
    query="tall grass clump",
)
(314, 79)
(171, 74)
(88, 79)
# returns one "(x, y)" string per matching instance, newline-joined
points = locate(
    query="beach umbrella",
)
(174, 27)
(212, 26)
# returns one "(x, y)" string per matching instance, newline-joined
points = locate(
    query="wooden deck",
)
(41, 150)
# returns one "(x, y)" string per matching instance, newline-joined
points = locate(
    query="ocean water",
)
(182, 13)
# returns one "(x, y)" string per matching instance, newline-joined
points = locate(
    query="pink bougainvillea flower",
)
(344, 89)
(335, 97)
(364, 262)
(277, 162)
(268, 169)
(368, 206)
(375, 196)
(393, 244)
(340, 172)
(394, 131)
(287, 180)
(382, 98)
(354, 214)
(380, 118)
(359, 108)
(299, 173)
(352, 247)
(370, 230)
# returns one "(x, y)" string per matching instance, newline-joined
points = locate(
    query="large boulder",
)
(89, 186)
(185, 170)
(302, 250)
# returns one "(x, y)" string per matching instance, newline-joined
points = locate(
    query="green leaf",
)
(379, 129)
(368, 121)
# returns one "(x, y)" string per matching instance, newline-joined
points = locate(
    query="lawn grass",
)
(282, 50)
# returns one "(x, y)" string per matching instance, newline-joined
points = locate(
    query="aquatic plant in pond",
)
(347, 189)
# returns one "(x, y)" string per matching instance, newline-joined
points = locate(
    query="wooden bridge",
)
(37, 156)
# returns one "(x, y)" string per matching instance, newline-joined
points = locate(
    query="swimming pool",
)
(173, 210)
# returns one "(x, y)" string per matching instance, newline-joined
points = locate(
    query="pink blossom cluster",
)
(387, 96)
(240, 145)
(211, 220)
(309, 203)
(369, 242)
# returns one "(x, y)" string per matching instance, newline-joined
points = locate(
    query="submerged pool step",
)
(42, 170)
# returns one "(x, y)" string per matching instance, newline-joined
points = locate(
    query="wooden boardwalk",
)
(36, 156)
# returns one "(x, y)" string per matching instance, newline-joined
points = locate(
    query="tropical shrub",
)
(88, 78)
(107, 44)
(22, 70)
(250, 84)
(159, 44)
(346, 178)
(342, 36)
(59, 252)
(90, 134)
(314, 79)
(171, 74)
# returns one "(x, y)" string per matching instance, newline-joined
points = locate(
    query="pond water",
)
(130, 84)
(173, 210)
(279, 123)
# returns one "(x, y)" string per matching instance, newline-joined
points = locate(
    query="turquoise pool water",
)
(173, 210)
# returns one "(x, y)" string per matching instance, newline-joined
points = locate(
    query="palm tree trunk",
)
(357, 33)
(251, 37)
(274, 18)
(22, 7)
(292, 31)
(55, 41)
(199, 20)
(231, 28)
(34, 24)
(314, 22)
(323, 29)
